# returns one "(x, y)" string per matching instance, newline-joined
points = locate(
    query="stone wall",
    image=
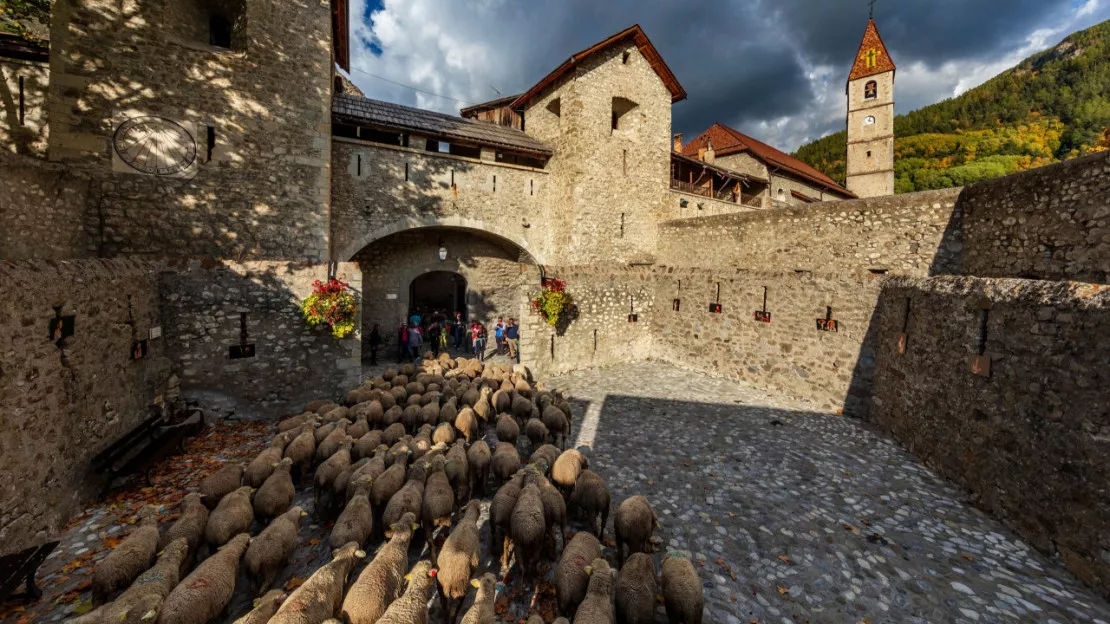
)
(1048, 223)
(491, 268)
(205, 306)
(788, 356)
(1032, 439)
(23, 128)
(259, 113)
(903, 234)
(42, 211)
(61, 406)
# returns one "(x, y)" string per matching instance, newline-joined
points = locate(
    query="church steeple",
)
(870, 90)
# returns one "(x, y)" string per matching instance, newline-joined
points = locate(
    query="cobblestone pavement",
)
(799, 516)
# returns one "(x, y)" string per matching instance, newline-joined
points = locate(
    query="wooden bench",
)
(21, 567)
(144, 446)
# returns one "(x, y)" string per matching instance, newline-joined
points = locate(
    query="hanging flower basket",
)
(331, 304)
(552, 301)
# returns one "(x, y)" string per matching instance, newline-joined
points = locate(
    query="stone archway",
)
(433, 222)
(441, 292)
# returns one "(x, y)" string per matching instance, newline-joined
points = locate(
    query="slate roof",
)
(355, 109)
(728, 141)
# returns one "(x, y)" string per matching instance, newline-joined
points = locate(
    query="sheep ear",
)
(589, 570)
(415, 526)
(303, 513)
(408, 577)
(255, 603)
(160, 553)
(274, 465)
(474, 583)
(657, 525)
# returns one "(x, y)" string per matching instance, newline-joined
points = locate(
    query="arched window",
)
(870, 90)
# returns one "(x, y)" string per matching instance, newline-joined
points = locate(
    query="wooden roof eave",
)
(457, 140)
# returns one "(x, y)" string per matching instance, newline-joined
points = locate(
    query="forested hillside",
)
(1053, 106)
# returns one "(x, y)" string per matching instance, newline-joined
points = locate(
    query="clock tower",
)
(870, 158)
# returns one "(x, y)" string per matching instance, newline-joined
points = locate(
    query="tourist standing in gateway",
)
(512, 339)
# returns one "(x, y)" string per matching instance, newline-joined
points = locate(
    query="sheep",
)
(276, 494)
(457, 560)
(448, 412)
(331, 444)
(636, 590)
(536, 431)
(502, 401)
(329, 470)
(408, 499)
(270, 551)
(482, 611)
(482, 406)
(554, 511)
(501, 513)
(415, 400)
(341, 485)
(388, 402)
(203, 594)
(295, 422)
(301, 450)
(544, 458)
(356, 396)
(232, 516)
(633, 526)
(521, 408)
(567, 468)
(360, 428)
(421, 442)
(319, 598)
(393, 434)
(188, 526)
(158, 581)
(444, 434)
(372, 469)
(386, 485)
(366, 445)
(597, 607)
(399, 395)
(682, 592)
(457, 470)
(557, 424)
(505, 461)
(264, 608)
(133, 556)
(221, 483)
(528, 526)
(375, 410)
(262, 466)
(335, 414)
(438, 502)
(356, 522)
(412, 606)
(382, 580)
(318, 404)
(507, 429)
(571, 579)
(591, 497)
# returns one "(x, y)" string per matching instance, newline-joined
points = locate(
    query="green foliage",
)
(29, 19)
(1053, 106)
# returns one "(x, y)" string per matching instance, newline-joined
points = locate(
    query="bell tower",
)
(870, 89)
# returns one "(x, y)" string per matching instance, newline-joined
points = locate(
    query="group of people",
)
(435, 331)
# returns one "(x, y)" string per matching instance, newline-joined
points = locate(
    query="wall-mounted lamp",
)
(442, 251)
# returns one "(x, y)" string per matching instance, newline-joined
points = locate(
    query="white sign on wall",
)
(391, 295)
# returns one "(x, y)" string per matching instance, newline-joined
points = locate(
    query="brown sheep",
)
(482, 611)
(262, 466)
(478, 458)
(133, 556)
(444, 434)
(203, 594)
(385, 486)
(505, 461)
(221, 483)
(375, 410)
(466, 422)
(429, 414)
(458, 560)
(319, 598)
(399, 453)
(301, 450)
(331, 444)
(482, 406)
(188, 526)
(536, 431)
(521, 408)
(264, 608)
(372, 469)
(597, 607)
(457, 470)
(382, 580)
(409, 499)
(554, 512)
(366, 445)
(682, 592)
(329, 470)
(412, 417)
(339, 487)
(356, 523)
(234, 515)
(412, 606)
(528, 526)
(591, 497)
(316, 405)
(567, 468)
(393, 413)
(335, 414)
(501, 514)
(276, 494)
(557, 424)
(270, 551)
(359, 429)
(438, 502)
(544, 458)
(571, 578)
(636, 590)
(323, 431)
(295, 422)
(448, 412)
(507, 429)
(393, 434)
(502, 401)
(633, 526)
(421, 442)
(158, 581)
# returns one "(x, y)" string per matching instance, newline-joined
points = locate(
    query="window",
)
(870, 90)
(625, 57)
(782, 194)
(22, 103)
(621, 108)
(869, 153)
(219, 32)
(555, 107)
(207, 24)
(869, 120)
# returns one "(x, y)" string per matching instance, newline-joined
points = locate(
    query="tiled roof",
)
(728, 141)
(636, 34)
(352, 108)
(872, 57)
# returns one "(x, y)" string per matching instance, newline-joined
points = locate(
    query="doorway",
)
(438, 291)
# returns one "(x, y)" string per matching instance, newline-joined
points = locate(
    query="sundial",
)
(155, 145)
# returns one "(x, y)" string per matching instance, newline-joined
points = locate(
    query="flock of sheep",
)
(403, 455)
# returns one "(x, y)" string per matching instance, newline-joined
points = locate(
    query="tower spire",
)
(871, 15)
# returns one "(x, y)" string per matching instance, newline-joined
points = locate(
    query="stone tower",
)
(870, 159)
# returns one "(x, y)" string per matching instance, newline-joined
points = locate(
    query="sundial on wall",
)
(155, 146)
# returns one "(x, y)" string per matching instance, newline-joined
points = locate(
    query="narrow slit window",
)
(211, 141)
(406, 172)
(622, 225)
(531, 187)
(22, 102)
(495, 183)
(624, 162)
(625, 57)
(358, 165)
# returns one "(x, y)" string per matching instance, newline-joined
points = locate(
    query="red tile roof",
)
(872, 57)
(728, 141)
(637, 36)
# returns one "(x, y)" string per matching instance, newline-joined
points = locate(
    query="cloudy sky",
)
(774, 69)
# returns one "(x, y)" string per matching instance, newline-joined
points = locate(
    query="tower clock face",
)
(155, 145)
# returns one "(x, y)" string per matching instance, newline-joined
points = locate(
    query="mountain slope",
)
(1053, 106)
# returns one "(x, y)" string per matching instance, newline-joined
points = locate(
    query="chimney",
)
(709, 154)
(678, 142)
